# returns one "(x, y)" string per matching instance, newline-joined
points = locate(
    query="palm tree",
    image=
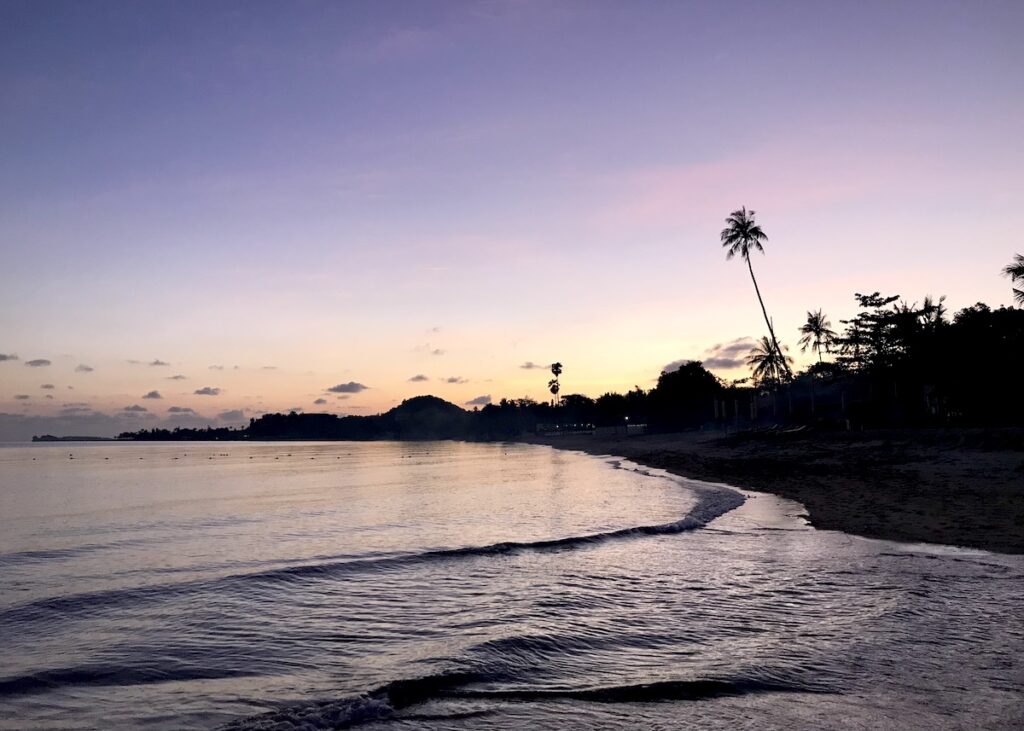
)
(1015, 272)
(817, 333)
(769, 366)
(739, 236)
(553, 385)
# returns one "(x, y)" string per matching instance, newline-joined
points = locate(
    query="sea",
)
(449, 585)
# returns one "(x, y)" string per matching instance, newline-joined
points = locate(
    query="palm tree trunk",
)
(771, 330)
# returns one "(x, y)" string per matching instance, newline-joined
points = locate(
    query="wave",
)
(98, 674)
(383, 702)
(713, 501)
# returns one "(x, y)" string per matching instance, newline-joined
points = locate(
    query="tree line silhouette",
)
(893, 364)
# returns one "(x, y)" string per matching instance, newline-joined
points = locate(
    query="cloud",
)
(266, 368)
(343, 396)
(479, 401)
(83, 368)
(350, 387)
(435, 329)
(320, 401)
(177, 377)
(437, 351)
(720, 356)
(232, 415)
(418, 378)
(47, 387)
(530, 365)
(153, 395)
(8, 356)
(455, 379)
(134, 362)
(37, 363)
(22, 397)
(207, 391)
(75, 410)
(135, 408)
(181, 410)
(428, 348)
(49, 396)
(216, 367)
(158, 362)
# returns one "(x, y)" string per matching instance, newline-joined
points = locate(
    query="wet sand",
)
(958, 487)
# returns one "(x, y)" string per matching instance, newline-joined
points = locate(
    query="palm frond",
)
(1015, 270)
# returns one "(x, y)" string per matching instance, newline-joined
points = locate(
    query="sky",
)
(333, 206)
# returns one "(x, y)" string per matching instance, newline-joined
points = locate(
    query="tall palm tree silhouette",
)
(769, 365)
(817, 333)
(553, 385)
(1015, 272)
(739, 236)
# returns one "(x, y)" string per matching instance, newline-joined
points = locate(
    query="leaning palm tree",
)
(769, 366)
(1015, 272)
(817, 333)
(739, 236)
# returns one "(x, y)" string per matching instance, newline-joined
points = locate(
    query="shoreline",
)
(958, 487)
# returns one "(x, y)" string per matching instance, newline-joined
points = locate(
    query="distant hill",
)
(425, 417)
(422, 417)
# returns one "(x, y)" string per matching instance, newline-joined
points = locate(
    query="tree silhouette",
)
(739, 236)
(553, 385)
(817, 333)
(1015, 272)
(769, 366)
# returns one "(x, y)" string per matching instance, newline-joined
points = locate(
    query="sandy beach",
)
(957, 487)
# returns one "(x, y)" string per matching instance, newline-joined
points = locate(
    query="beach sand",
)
(958, 487)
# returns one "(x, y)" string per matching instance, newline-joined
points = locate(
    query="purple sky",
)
(363, 192)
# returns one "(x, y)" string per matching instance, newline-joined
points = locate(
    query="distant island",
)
(51, 438)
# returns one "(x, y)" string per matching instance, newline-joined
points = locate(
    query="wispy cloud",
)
(158, 362)
(216, 367)
(8, 356)
(350, 387)
(37, 363)
(530, 365)
(22, 397)
(83, 368)
(47, 387)
(320, 401)
(135, 408)
(418, 378)
(207, 391)
(177, 377)
(181, 410)
(429, 349)
(75, 410)
(456, 379)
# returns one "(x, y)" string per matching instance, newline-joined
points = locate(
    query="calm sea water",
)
(469, 586)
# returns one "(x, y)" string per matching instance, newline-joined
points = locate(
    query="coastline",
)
(961, 487)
